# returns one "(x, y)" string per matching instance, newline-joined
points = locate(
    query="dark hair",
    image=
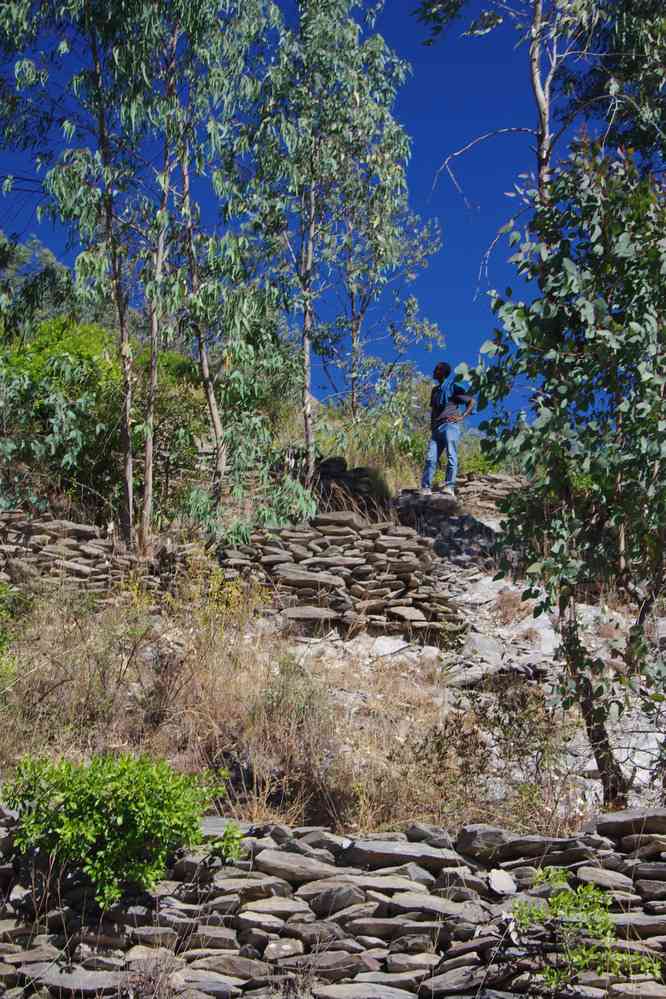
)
(447, 368)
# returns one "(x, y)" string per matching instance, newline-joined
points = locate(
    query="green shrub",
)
(581, 933)
(117, 817)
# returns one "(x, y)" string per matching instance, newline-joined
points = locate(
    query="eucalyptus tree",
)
(381, 248)
(224, 50)
(623, 83)
(95, 56)
(324, 101)
(592, 346)
(555, 33)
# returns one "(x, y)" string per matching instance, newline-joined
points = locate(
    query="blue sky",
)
(459, 88)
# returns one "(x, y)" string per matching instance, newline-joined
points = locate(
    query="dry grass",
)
(200, 680)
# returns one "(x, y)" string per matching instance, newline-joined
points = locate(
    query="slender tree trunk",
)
(155, 314)
(355, 358)
(217, 428)
(149, 423)
(541, 90)
(614, 783)
(307, 260)
(120, 300)
(127, 508)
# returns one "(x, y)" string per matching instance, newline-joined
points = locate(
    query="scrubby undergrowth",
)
(204, 681)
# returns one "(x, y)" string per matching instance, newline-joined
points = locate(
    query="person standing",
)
(446, 400)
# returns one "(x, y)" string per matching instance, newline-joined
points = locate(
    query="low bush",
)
(116, 817)
(579, 934)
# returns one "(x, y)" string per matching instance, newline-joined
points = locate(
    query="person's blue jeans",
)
(444, 438)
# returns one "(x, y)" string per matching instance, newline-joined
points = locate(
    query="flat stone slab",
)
(634, 820)
(359, 990)
(610, 880)
(77, 982)
(341, 518)
(382, 853)
(637, 990)
(635, 925)
(207, 982)
(310, 614)
(293, 576)
(292, 867)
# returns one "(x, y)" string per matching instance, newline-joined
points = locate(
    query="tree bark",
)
(355, 356)
(541, 90)
(614, 783)
(155, 315)
(149, 422)
(217, 428)
(120, 300)
(307, 260)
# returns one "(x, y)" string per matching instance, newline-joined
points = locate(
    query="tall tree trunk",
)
(614, 783)
(541, 87)
(149, 422)
(355, 358)
(307, 260)
(127, 507)
(119, 297)
(217, 428)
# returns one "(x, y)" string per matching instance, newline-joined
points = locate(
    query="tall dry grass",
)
(202, 679)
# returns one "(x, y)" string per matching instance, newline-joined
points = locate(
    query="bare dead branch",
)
(515, 130)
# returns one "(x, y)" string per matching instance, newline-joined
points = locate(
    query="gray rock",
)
(154, 936)
(423, 832)
(246, 889)
(282, 907)
(440, 908)
(293, 868)
(639, 820)
(635, 926)
(637, 990)
(316, 935)
(287, 947)
(309, 613)
(407, 614)
(213, 938)
(395, 979)
(203, 982)
(235, 966)
(332, 966)
(341, 518)
(380, 853)
(604, 879)
(652, 891)
(482, 647)
(459, 980)
(337, 899)
(481, 841)
(650, 872)
(502, 883)
(74, 981)
(366, 882)
(397, 962)
(359, 990)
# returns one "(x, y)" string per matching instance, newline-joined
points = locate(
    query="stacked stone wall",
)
(46, 552)
(394, 915)
(342, 569)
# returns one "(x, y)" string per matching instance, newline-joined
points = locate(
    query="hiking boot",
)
(448, 491)
(425, 492)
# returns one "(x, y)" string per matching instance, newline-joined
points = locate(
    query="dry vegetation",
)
(202, 680)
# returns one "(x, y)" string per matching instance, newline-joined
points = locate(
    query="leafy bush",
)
(116, 817)
(581, 933)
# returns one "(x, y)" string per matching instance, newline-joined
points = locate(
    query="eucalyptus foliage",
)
(591, 350)
(325, 110)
